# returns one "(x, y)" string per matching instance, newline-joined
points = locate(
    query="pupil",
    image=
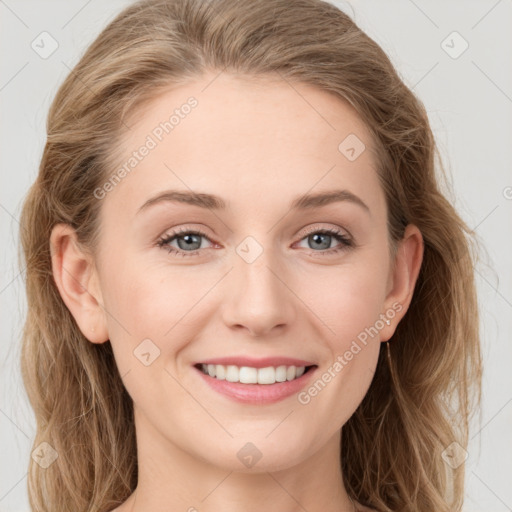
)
(319, 235)
(189, 239)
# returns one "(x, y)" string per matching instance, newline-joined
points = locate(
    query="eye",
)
(189, 242)
(322, 238)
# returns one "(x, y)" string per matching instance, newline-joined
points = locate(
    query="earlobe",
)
(405, 273)
(77, 281)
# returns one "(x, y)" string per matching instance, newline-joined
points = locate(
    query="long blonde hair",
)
(415, 407)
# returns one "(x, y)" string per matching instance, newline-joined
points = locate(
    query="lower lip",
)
(257, 393)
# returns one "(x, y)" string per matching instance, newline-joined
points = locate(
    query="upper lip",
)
(257, 362)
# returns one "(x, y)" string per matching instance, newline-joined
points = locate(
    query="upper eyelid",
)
(201, 231)
(324, 228)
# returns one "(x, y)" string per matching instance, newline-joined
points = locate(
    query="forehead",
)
(246, 138)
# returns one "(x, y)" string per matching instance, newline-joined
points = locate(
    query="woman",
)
(188, 346)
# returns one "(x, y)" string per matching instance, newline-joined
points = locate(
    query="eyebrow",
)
(213, 202)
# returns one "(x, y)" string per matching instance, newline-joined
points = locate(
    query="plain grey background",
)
(468, 95)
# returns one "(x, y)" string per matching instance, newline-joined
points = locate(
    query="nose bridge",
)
(257, 277)
(258, 298)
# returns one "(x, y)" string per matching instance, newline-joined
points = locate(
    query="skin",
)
(258, 145)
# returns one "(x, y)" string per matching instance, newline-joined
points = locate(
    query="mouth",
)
(266, 376)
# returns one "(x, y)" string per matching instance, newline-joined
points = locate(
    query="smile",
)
(255, 386)
(250, 375)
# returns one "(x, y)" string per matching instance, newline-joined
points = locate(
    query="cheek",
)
(147, 298)
(351, 309)
(131, 302)
(156, 302)
(351, 298)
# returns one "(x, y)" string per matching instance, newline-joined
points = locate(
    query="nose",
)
(259, 300)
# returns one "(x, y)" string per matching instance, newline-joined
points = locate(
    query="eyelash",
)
(337, 234)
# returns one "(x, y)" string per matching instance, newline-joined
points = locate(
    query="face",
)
(255, 268)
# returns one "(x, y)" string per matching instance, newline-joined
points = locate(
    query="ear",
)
(403, 277)
(77, 281)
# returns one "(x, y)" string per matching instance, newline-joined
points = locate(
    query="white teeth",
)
(266, 375)
(280, 373)
(220, 372)
(249, 375)
(232, 374)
